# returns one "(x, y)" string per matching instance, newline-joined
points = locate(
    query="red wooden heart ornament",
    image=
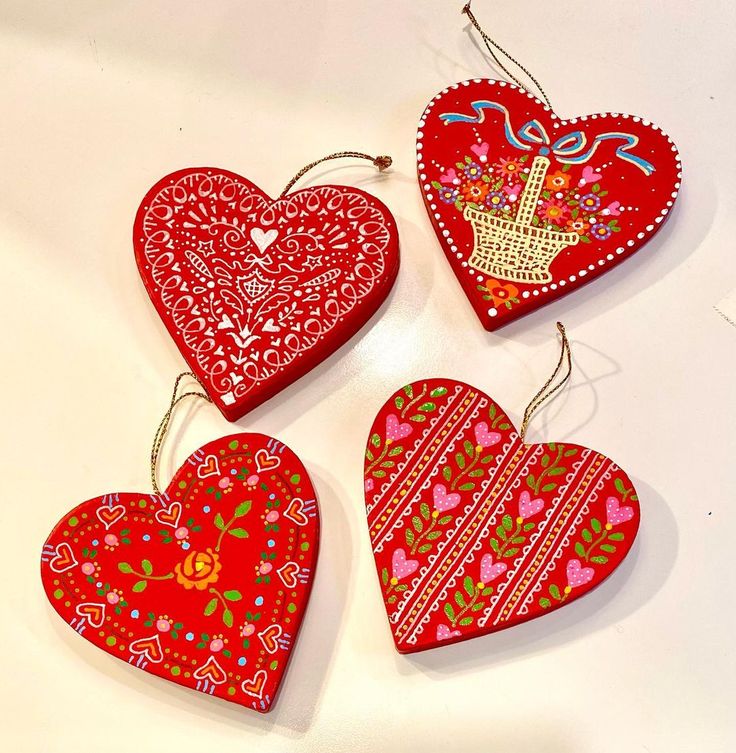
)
(257, 291)
(204, 585)
(474, 531)
(529, 207)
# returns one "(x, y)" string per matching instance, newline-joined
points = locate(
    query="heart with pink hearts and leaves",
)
(473, 530)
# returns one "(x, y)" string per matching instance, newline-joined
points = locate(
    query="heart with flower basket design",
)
(204, 585)
(474, 531)
(529, 207)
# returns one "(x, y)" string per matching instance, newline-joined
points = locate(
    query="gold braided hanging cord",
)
(491, 44)
(382, 162)
(159, 436)
(547, 390)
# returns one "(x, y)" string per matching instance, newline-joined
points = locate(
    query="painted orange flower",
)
(554, 211)
(558, 181)
(501, 292)
(199, 570)
(578, 226)
(475, 191)
(510, 166)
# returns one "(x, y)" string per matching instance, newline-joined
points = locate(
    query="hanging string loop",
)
(163, 427)
(548, 390)
(382, 162)
(493, 47)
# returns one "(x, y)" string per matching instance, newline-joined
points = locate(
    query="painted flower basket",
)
(516, 249)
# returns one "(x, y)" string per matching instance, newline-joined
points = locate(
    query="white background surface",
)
(101, 99)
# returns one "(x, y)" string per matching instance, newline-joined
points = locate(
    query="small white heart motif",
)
(263, 239)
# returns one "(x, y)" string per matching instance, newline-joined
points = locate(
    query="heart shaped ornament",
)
(204, 585)
(256, 291)
(529, 207)
(474, 531)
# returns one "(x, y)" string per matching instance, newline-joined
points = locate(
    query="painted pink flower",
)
(444, 633)
(484, 437)
(88, 568)
(529, 506)
(395, 429)
(112, 597)
(248, 629)
(480, 151)
(512, 191)
(612, 209)
(272, 516)
(449, 177)
(442, 500)
(216, 644)
(224, 482)
(264, 568)
(181, 533)
(589, 176)
(577, 575)
(489, 570)
(615, 514)
(163, 625)
(111, 541)
(401, 567)
(368, 485)
(252, 480)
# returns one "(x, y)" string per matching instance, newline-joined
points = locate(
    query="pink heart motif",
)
(484, 437)
(489, 571)
(578, 575)
(444, 633)
(402, 567)
(616, 514)
(396, 430)
(528, 506)
(480, 151)
(442, 500)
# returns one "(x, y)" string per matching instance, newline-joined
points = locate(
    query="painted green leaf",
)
(507, 522)
(469, 448)
(599, 559)
(424, 510)
(545, 603)
(124, 567)
(616, 536)
(409, 536)
(140, 586)
(368, 455)
(409, 391)
(501, 533)
(487, 459)
(447, 472)
(511, 552)
(460, 460)
(549, 487)
(459, 599)
(227, 618)
(146, 566)
(243, 508)
(432, 535)
(427, 407)
(416, 521)
(570, 453)
(477, 606)
(376, 440)
(528, 526)
(545, 461)
(476, 473)
(518, 540)
(239, 533)
(555, 592)
(399, 402)
(438, 392)
(467, 486)
(384, 576)
(494, 545)
(469, 586)
(444, 520)
(619, 484)
(210, 608)
(487, 591)
(558, 471)
(465, 621)
(397, 450)
(378, 473)
(388, 464)
(579, 549)
(418, 418)
(587, 535)
(424, 548)
(610, 548)
(219, 522)
(450, 612)
(530, 481)
(595, 524)
(232, 595)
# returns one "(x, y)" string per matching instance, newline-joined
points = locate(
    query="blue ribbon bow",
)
(571, 148)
